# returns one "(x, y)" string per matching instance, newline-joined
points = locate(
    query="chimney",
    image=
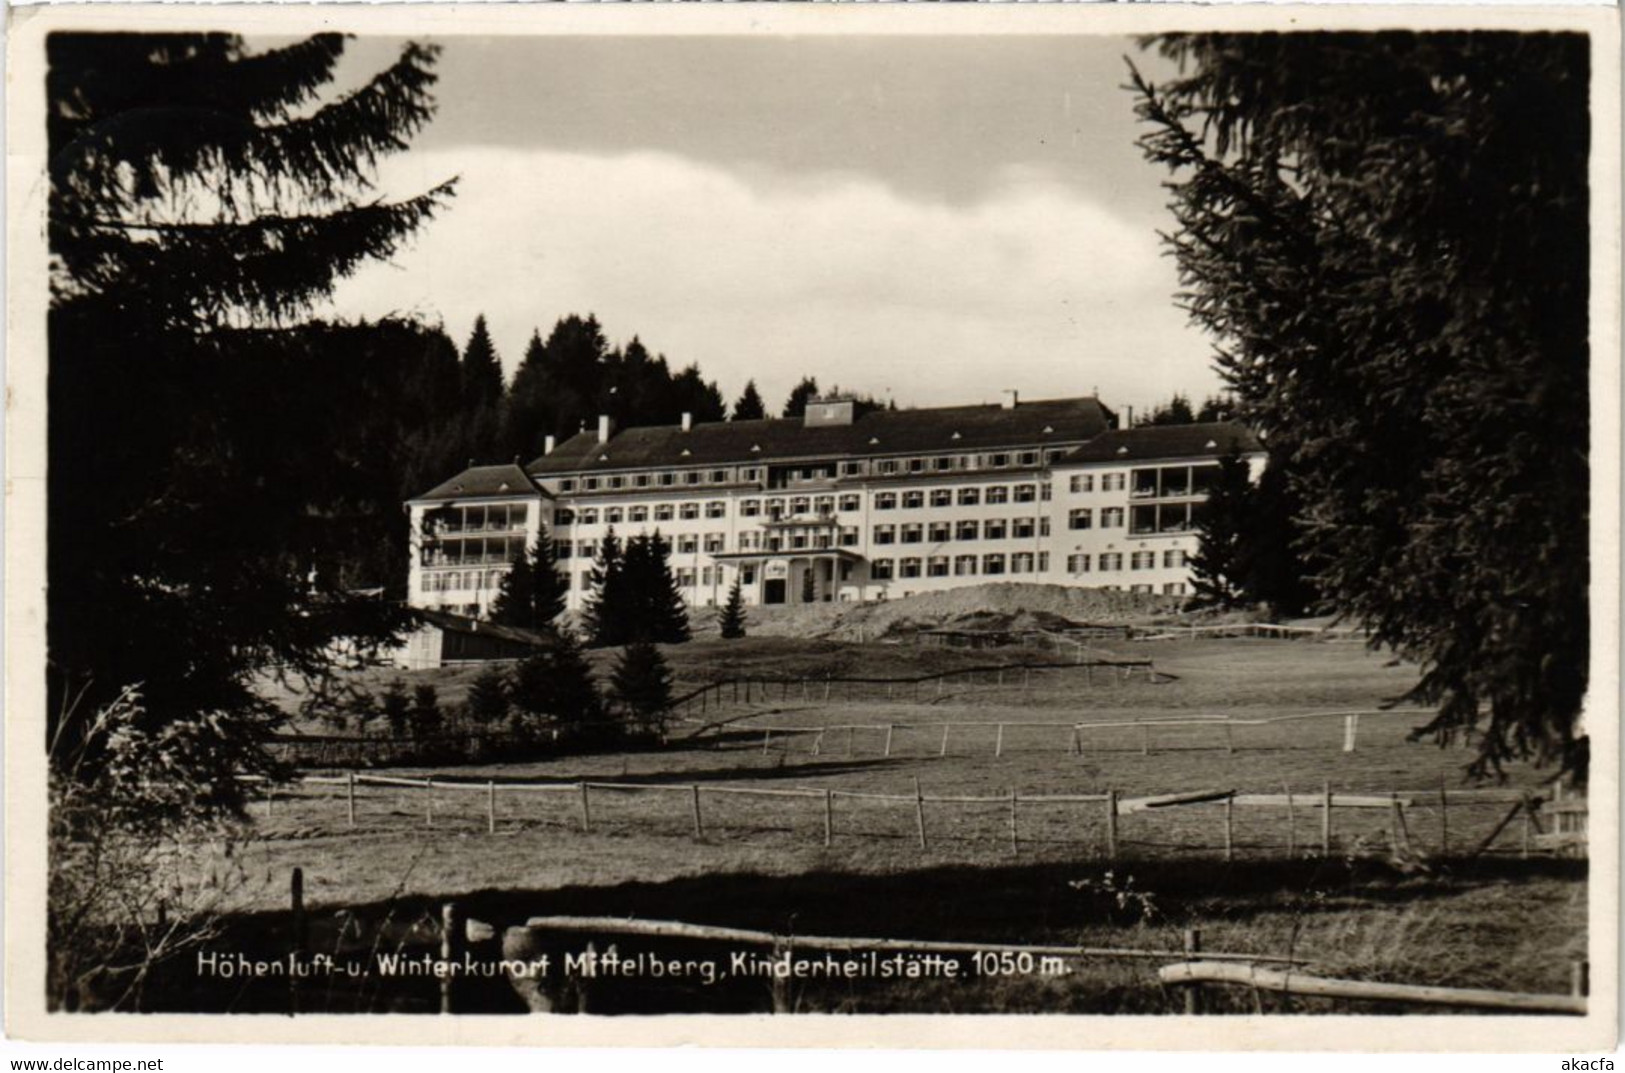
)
(551, 442)
(603, 428)
(1128, 417)
(688, 420)
(1010, 400)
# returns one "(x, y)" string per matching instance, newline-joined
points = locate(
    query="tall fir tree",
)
(1399, 284)
(489, 697)
(533, 592)
(641, 682)
(481, 369)
(749, 405)
(604, 614)
(203, 198)
(558, 684)
(1220, 564)
(796, 404)
(658, 611)
(731, 618)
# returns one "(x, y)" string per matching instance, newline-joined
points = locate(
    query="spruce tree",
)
(1399, 285)
(1219, 566)
(533, 593)
(640, 682)
(796, 404)
(656, 608)
(604, 615)
(425, 718)
(481, 369)
(203, 198)
(558, 684)
(731, 619)
(749, 405)
(489, 697)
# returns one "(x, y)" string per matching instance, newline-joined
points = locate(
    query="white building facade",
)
(840, 506)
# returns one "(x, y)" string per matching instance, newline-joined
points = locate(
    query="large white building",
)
(836, 506)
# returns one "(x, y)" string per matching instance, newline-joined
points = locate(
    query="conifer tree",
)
(604, 616)
(731, 618)
(533, 593)
(1399, 283)
(558, 684)
(656, 608)
(749, 405)
(481, 369)
(489, 697)
(203, 197)
(640, 682)
(796, 404)
(1219, 566)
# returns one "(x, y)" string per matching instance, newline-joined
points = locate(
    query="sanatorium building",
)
(838, 506)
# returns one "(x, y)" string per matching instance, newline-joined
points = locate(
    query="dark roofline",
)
(1162, 442)
(484, 482)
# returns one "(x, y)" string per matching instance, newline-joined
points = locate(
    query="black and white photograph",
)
(564, 523)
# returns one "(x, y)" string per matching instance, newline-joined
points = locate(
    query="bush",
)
(489, 698)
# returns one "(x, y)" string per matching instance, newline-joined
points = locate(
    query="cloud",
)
(772, 276)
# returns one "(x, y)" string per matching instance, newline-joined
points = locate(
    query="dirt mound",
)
(997, 606)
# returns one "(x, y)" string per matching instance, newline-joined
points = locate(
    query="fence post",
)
(699, 827)
(586, 808)
(1145, 740)
(1351, 728)
(998, 745)
(490, 806)
(1326, 820)
(296, 943)
(1077, 741)
(829, 817)
(1111, 824)
(1229, 736)
(351, 798)
(1229, 829)
(944, 750)
(1444, 819)
(1193, 992)
(428, 801)
(1528, 820)
(270, 796)
(1291, 824)
(888, 738)
(850, 732)
(919, 811)
(450, 950)
(780, 985)
(767, 738)
(1015, 845)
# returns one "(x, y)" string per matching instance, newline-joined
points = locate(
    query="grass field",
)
(762, 862)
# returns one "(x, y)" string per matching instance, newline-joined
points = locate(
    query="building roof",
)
(881, 432)
(445, 620)
(478, 482)
(1151, 442)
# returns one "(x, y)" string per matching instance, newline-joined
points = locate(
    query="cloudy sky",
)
(932, 219)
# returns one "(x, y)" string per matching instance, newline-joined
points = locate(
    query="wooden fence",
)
(1192, 975)
(687, 803)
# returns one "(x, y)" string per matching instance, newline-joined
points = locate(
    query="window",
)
(713, 542)
(641, 480)
(937, 566)
(942, 463)
(705, 575)
(939, 532)
(589, 516)
(1111, 560)
(800, 505)
(849, 537)
(688, 511)
(1142, 519)
(998, 461)
(685, 577)
(886, 467)
(942, 497)
(1021, 562)
(885, 534)
(562, 549)
(910, 568)
(1144, 483)
(637, 514)
(1082, 518)
(964, 565)
(851, 469)
(567, 485)
(993, 564)
(1026, 493)
(913, 533)
(590, 484)
(562, 516)
(968, 530)
(617, 481)
(1111, 517)
(1174, 588)
(916, 465)
(691, 477)
(716, 509)
(750, 508)
(1021, 528)
(719, 476)
(1112, 482)
(849, 502)
(1143, 560)
(750, 473)
(970, 497)
(913, 500)
(1173, 557)
(749, 541)
(586, 548)
(993, 529)
(1028, 458)
(668, 479)
(747, 575)
(880, 569)
(886, 501)
(613, 515)
(998, 493)
(798, 540)
(1043, 527)
(1045, 492)
(688, 544)
(664, 512)
(1043, 562)
(824, 505)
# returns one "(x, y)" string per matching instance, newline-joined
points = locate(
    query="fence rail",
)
(689, 808)
(1212, 971)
